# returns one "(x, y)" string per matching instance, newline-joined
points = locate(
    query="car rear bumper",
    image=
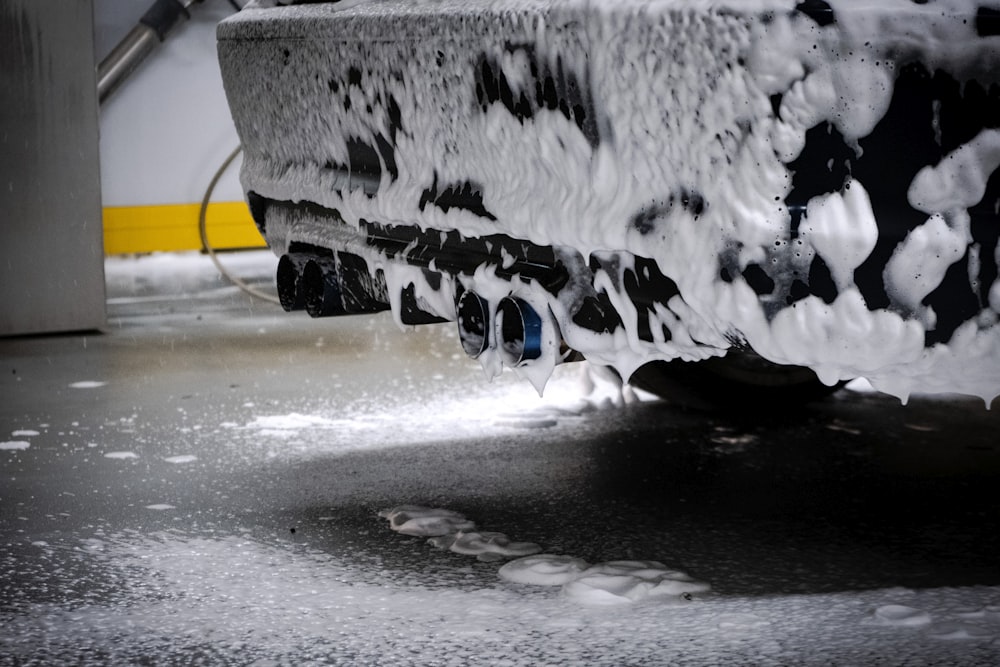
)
(659, 180)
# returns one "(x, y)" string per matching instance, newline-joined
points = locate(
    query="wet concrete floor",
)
(200, 484)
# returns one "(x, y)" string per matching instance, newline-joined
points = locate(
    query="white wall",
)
(167, 129)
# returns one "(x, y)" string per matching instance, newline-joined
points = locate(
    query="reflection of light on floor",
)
(410, 417)
(574, 388)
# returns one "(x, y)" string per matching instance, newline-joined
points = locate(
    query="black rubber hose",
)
(203, 232)
(163, 16)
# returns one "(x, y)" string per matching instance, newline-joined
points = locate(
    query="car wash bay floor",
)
(201, 483)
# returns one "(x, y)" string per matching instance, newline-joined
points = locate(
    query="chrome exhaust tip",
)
(320, 288)
(518, 331)
(289, 279)
(473, 316)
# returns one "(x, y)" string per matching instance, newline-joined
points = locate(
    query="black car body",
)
(815, 182)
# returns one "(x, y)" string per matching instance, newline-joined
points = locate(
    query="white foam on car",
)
(718, 64)
(841, 228)
(959, 180)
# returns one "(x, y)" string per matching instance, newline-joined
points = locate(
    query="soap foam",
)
(902, 615)
(543, 570)
(486, 546)
(251, 596)
(87, 384)
(425, 521)
(625, 581)
(14, 445)
(696, 118)
(611, 583)
(182, 458)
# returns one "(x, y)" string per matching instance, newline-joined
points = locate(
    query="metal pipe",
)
(289, 281)
(518, 331)
(124, 58)
(320, 288)
(473, 316)
(128, 54)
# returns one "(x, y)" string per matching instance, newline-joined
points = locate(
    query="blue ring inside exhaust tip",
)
(519, 331)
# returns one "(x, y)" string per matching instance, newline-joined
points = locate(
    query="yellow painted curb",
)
(172, 227)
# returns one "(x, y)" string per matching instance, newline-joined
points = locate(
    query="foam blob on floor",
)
(624, 581)
(543, 570)
(611, 583)
(958, 630)
(13, 445)
(485, 545)
(425, 521)
(121, 455)
(450, 530)
(901, 615)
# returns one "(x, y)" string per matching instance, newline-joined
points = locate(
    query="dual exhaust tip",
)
(325, 285)
(309, 283)
(515, 325)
